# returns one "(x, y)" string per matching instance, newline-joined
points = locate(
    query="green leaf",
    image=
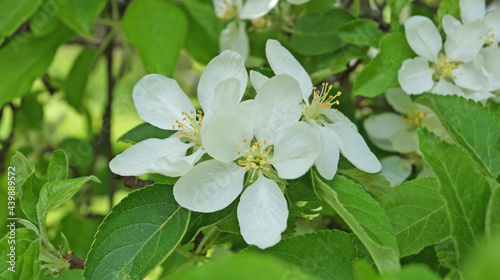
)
(318, 33)
(204, 28)
(30, 115)
(144, 131)
(44, 21)
(15, 13)
(365, 218)
(375, 183)
(466, 205)
(138, 234)
(409, 272)
(200, 221)
(76, 82)
(243, 267)
(323, 254)
(56, 193)
(78, 14)
(28, 58)
(362, 32)
(382, 72)
(417, 214)
(448, 7)
(58, 166)
(29, 198)
(157, 30)
(484, 264)
(27, 249)
(396, 8)
(22, 168)
(472, 126)
(493, 212)
(327, 65)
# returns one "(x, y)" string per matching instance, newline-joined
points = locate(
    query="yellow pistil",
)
(445, 66)
(490, 38)
(322, 101)
(256, 157)
(190, 126)
(414, 118)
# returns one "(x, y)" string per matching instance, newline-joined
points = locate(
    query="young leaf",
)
(58, 167)
(76, 82)
(365, 218)
(464, 189)
(493, 211)
(417, 214)
(56, 193)
(28, 58)
(144, 131)
(14, 13)
(243, 267)
(156, 29)
(200, 221)
(472, 126)
(323, 254)
(23, 169)
(79, 15)
(362, 32)
(382, 72)
(27, 249)
(317, 33)
(138, 234)
(29, 198)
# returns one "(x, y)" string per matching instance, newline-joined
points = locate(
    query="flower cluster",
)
(253, 144)
(469, 63)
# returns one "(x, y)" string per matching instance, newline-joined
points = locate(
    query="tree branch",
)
(74, 261)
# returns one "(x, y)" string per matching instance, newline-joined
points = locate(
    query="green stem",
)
(204, 240)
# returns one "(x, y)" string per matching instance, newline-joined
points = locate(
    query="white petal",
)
(209, 186)
(283, 62)
(160, 101)
(384, 126)
(327, 162)
(226, 65)
(223, 134)
(262, 213)
(466, 41)
(450, 25)
(395, 169)
(256, 8)
(354, 148)
(423, 37)
(337, 116)
(415, 76)
(225, 97)
(276, 106)
(405, 141)
(385, 145)
(471, 10)
(399, 100)
(257, 79)
(425, 172)
(295, 150)
(493, 21)
(480, 95)
(443, 87)
(469, 77)
(234, 37)
(162, 156)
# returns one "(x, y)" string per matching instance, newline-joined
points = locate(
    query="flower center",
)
(445, 66)
(255, 158)
(490, 38)
(190, 127)
(414, 118)
(322, 101)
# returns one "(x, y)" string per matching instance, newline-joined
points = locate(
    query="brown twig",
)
(133, 182)
(74, 261)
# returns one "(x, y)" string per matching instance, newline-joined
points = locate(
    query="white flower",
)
(336, 130)
(398, 132)
(396, 169)
(416, 75)
(265, 139)
(161, 102)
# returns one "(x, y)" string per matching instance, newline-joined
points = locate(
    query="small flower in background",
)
(336, 130)
(433, 70)
(393, 132)
(161, 102)
(264, 139)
